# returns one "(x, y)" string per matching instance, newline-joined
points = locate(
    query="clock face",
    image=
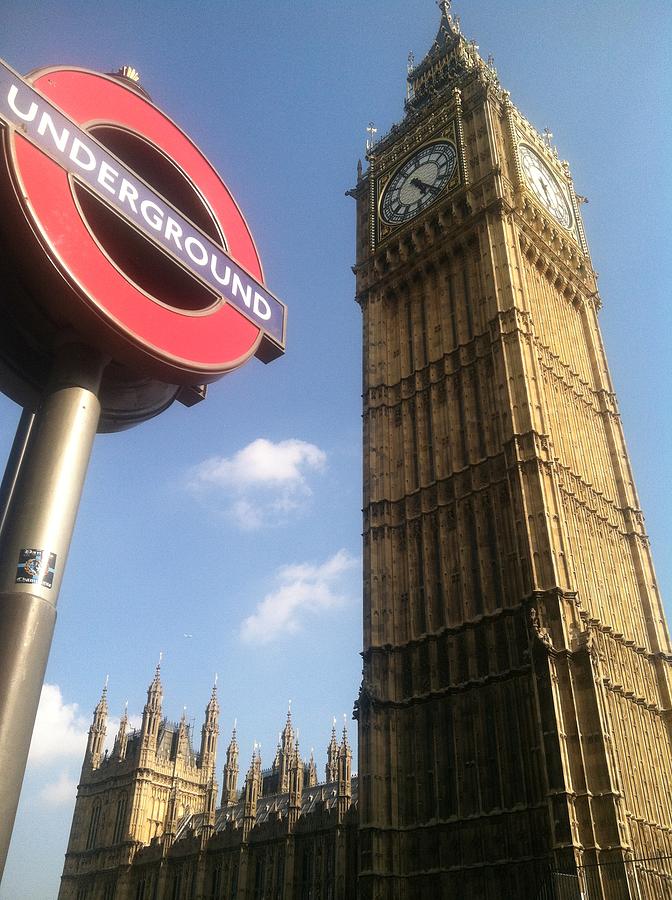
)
(545, 186)
(417, 182)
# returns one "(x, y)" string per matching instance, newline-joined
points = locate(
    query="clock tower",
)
(515, 707)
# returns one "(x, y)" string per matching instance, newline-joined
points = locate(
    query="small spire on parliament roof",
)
(101, 706)
(212, 709)
(155, 687)
(123, 721)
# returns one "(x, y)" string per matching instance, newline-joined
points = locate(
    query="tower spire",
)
(449, 58)
(444, 6)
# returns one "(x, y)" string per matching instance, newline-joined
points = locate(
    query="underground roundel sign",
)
(155, 263)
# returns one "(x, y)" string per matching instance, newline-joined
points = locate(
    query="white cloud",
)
(264, 481)
(303, 590)
(60, 730)
(61, 792)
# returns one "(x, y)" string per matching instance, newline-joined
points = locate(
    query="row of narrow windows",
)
(93, 834)
(456, 563)
(445, 427)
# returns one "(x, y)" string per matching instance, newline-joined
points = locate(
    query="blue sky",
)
(227, 536)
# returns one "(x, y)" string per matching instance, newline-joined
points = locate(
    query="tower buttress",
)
(170, 829)
(344, 787)
(210, 808)
(295, 785)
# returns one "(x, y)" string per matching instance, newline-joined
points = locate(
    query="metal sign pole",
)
(14, 461)
(33, 548)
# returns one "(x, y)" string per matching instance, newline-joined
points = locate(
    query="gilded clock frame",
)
(395, 161)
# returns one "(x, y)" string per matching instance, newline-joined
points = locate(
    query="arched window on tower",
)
(92, 836)
(120, 819)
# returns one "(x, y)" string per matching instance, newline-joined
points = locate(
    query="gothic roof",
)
(271, 808)
(449, 58)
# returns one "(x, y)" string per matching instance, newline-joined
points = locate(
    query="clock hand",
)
(423, 187)
(420, 185)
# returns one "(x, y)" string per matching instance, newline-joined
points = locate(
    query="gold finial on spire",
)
(371, 130)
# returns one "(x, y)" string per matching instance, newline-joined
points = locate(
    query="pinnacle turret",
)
(210, 731)
(155, 689)
(344, 774)
(230, 780)
(121, 740)
(151, 715)
(288, 732)
(311, 770)
(252, 791)
(97, 731)
(331, 770)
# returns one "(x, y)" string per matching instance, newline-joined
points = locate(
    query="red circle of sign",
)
(186, 345)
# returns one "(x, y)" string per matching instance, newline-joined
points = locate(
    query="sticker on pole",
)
(157, 264)
(36, 567)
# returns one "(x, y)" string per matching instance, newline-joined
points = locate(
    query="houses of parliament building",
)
(515, 711)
